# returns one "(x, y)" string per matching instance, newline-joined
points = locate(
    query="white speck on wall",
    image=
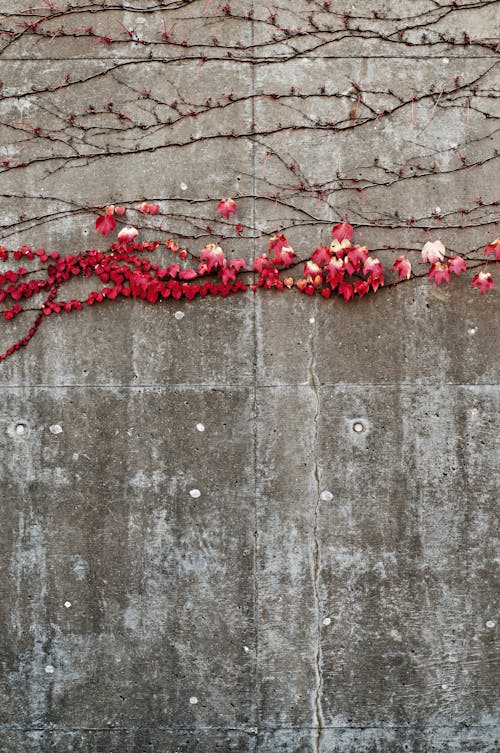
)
(193, 700)
(438, 210)
(200, 427)
(55, 429)
(179, 315)
(184, 187)
(326, 496)
(445, 61)
(132, 618)
(20, 429)
(312, 320)
(472, 330)
(490, 624)
(444, 686)
(195, 493)
(246, 649)
(327, 621)
(67, 604)
(49, 669)
(80, 567)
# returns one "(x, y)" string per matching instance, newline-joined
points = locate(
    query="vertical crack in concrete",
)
(314, 384)
(255, 665)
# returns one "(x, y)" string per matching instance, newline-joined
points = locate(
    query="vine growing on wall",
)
(341, 268)
(292, 108)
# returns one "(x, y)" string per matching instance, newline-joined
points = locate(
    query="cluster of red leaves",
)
(343, 268)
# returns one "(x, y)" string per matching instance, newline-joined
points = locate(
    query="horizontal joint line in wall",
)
(245, 386)
(262, 728)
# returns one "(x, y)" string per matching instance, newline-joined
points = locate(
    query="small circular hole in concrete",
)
(358, 427)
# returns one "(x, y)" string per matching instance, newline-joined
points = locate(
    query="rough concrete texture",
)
(329, 590)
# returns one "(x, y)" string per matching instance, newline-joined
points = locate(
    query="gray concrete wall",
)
(329, 591)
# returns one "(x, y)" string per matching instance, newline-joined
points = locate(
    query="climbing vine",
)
(341, 268)
(292, 108)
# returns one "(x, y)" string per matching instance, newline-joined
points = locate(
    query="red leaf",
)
(346, 290)
(188, 274)
(403, 267)
(341, 231)
(322, 255)
(483, 281)
(105, 224)
(440, 272)
(457, 265)
(225, 207)
(213, 256)
(493, 248)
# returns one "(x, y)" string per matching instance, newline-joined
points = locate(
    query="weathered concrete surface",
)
(329, 590)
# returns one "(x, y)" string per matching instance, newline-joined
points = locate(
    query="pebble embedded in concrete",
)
(195, 493)
(326, 496)
(55, 429)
